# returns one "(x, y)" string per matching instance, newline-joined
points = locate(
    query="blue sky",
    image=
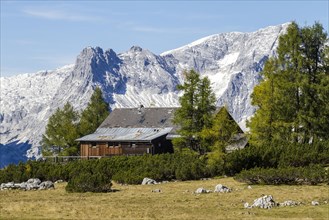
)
(44, 35)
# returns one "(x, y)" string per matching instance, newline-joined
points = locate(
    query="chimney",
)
(140, 109)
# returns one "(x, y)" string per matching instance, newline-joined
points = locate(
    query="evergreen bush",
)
(89, 182)
(311, 175)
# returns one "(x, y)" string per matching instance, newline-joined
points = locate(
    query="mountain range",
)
(232, 61)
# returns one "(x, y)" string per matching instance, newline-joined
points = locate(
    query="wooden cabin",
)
(131, 131)
(137, 131)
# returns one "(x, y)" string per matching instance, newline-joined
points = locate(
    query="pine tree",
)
(194, 115)
(61, 132)
(95, 113)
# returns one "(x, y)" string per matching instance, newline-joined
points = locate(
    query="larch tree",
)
(61, 132)
(291, 100)
(195, 114)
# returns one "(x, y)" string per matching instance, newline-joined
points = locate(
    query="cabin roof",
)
(140, 118)
(126, 134)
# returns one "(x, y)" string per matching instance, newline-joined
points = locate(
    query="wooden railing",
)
(63, 159)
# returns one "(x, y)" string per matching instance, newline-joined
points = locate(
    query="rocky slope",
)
(232, 61)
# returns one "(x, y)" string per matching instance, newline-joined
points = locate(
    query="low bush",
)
(276, 155)
(311, 175)
(89, 182)
(122, 169)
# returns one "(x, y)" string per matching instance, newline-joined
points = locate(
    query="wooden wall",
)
(88, 149)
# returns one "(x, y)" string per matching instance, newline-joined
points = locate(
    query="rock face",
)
(222, 189)
(31, 184)
(232, 61)
(148, 181)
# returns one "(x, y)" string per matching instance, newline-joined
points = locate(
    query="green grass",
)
(176, 201)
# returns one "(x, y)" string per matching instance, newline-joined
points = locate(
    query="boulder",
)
(17, 185)
(31, 184)
(34, 181)
(9, 185)
(202, 190)
(315, 203)
(289, 203)
(46, 185)
(23, 185)
(264, 202)
(148, 181)
(222, 189)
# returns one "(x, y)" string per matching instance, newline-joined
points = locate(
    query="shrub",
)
(290, 175)
(89, 182)
(276, 155)
(123, 169)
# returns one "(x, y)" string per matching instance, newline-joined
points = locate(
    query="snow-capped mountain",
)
(232, 61)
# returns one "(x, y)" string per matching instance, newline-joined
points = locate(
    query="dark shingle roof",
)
(140, 118)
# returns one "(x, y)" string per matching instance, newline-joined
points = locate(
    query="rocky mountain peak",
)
(136, 49)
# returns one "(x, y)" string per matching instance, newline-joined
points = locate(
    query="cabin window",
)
(93, 144)
(110, 145)
(132, 145)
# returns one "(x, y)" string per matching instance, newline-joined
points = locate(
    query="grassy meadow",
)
(175, 201)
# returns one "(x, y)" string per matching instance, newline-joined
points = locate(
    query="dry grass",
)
(176, 201)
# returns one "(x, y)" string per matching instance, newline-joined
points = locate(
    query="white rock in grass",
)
(289, 203)
(222, 189)
(315, 203)
(202, 190)
(34, 181)
(264, 202)
(46, 185)
(246, 206)
(148, 181)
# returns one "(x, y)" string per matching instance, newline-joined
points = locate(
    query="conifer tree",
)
(61, 132)
(95, 113)
(224, 128)
(291, 101)
(197, 105)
